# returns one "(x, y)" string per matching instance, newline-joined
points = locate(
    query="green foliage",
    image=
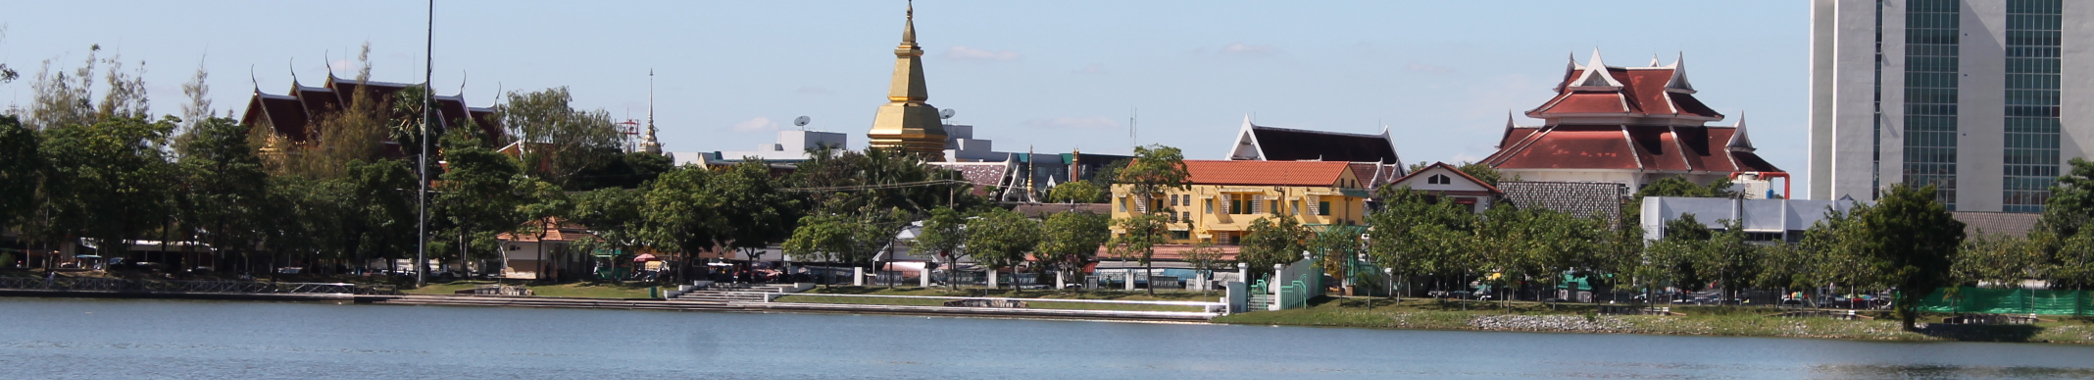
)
(109, 180)
(564, 143)
(680, 212)
(1418, 237)
(614, 215)
(1998, 260)
(851, 239)
(1483, 172)
(223, 178)
(1908, 241)
(1076, 192)
(943, 234)
(1273, 241)
(2070, 207)
(752, 211)
(1070, 239)
(21, 164)
(482, 190)
(1141, 233)
(1000, 238)
(1155, 168)
(833, 168)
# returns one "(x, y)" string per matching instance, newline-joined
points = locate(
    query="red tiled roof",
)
(1642, 94)
(1282, 173)
(1654, 148)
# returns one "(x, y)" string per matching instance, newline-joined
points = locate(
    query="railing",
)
(121, 285)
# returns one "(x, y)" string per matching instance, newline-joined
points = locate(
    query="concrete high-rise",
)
(1986, 99)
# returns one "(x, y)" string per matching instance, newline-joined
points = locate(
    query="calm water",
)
(56, 338)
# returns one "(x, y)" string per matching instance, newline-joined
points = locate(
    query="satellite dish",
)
(945, 113)
(801, 121)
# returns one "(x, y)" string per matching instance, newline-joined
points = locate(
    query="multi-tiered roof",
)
(1627, 118)
(292, 115)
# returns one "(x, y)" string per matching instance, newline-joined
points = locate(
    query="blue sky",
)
(1053, 75)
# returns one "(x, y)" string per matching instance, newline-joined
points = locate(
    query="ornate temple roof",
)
(1637, 118)
(291, 115)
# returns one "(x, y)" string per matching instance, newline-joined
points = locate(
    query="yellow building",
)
(1226, 196)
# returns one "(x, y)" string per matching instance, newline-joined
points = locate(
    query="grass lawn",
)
(1700, 320)
(574, 290)
(817, 296)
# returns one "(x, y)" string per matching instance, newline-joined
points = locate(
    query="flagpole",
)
(421, 246)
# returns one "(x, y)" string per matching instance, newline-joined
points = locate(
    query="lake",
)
(169, 339)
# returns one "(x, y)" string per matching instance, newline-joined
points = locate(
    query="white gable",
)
(1440, 178)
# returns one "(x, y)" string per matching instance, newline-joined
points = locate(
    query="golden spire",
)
(906, 122)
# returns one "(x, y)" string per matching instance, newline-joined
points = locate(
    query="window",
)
(1181, 235)
(1323, 208)
(1932, 41)
(1210, 205)
(2032, 88)
(1123, 204)
(1295, 205)
(1185, 216)
(1438, 179)
(1273, 206)
(1174, 200)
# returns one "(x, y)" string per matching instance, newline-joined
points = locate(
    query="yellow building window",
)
(1323, 208)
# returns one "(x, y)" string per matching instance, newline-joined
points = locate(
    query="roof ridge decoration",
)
(1654, 60)
(1678, 83)
(1384, 131)
(1738, 141)
(1595, 77)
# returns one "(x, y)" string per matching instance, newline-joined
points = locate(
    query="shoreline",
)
(1701, 321)
(1329, 314)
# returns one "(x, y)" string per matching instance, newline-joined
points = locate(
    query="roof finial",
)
(909, 26)
(650, 144)
(292, 65)
(1654, 60)
(1738, 141)
(1678, 82)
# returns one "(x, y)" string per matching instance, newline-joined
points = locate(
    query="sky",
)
(1049, 76)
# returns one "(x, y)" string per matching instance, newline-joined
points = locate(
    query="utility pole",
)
(421, 245)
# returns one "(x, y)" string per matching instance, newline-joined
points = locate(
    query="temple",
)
(291, 116)
(1628, 125)
(906, 122)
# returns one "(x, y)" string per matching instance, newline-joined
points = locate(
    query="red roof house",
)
(1628, 125)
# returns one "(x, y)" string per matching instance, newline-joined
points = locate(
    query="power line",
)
(876, 186)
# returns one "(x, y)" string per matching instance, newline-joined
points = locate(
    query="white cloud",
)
(1092, 69)
(1073, 122)
(758, 124)
(1430, 69)
(1240, 48)
(980, 55)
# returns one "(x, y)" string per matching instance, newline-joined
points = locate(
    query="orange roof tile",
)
(1281, 173)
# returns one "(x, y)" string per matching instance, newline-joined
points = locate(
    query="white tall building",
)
(1986, 99)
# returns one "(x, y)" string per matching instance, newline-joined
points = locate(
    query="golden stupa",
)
(906, 122)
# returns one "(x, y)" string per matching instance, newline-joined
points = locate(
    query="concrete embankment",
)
(987, 311)
(334, 297)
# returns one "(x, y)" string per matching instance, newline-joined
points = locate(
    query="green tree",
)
(1729, 259)
(2002, 260)
(1486, 173)
(753, 212)
(943, 234)
(1417, 236)
(20, 170)
(222, 186)
(1000, 238)
(109, 180)
(562, 143)
(1912, 241)
(854, 239)
(1140, 234)
(1273, 240)
(481, 192)
(614, 215)
(1337, 248)
(1076, 192)
(1154, 170)
(1069, 240)
(681, 213)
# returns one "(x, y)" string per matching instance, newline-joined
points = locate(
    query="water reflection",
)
(65, 339)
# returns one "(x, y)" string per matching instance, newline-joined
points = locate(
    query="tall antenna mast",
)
(421, 245)
(1133, 115)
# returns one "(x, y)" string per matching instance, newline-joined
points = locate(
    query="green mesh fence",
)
(2009, 301)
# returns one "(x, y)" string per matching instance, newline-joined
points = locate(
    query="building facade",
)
(1225, 196)
(1977, 97)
